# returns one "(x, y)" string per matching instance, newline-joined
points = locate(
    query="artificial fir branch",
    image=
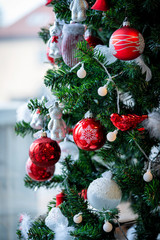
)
(23, 128)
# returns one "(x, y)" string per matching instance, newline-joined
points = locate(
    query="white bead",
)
(102, 91)
(77, 218)
(81, 73)
(111, 136)
(148, 176)
(107, 227)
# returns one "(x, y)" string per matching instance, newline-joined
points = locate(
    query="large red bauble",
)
(93, 41)
(100, 5)
(39, 174)
(126, 122)
(126, 43)
(89, 134)
(44, 152)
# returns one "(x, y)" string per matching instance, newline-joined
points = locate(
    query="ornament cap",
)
(88, 114)
(126, 23)
(44, 134)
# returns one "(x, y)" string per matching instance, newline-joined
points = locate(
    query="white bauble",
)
(81, 73)
(77, 218)
(111, 136)
(107, 227)
(55, 218)
(69, 148)
(104, 193)
(102, 91)
(148, 176)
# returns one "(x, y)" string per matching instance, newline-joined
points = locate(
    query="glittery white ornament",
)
(54, 218)
(78, 8)
(37, 120)
(102, 91)
(77, 218)
(148, 176)
(104, 193)
(111, 136)
(107, 227)
(81, 73)
(56, 125)
(69, 148)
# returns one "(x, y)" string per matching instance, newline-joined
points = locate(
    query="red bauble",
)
(100, 5)
(126, 43)
(44, 152)
(93, 41)
(89, 134)
(50, 58)
(39, 174)
(60, 198)
(126, 122)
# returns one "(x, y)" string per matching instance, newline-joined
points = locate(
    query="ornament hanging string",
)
(121, 228)
(111, 80)
(149, 161)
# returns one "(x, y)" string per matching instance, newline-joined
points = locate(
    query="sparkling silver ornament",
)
(37, 120)
(56, 125)
(69, 148)
(78, 8)
(104, 193)
(55, 41)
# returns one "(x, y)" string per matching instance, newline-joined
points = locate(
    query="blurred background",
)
(23, 64)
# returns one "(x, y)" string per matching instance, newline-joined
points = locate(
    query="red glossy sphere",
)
(89, 134)
(93, 41)
(44, 152)
(126, 43)
(39, 173)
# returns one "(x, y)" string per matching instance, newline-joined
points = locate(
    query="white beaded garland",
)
(77, 218)
(111, 136)
(148, 176)
(107, 227)
(102, 91)
(81, 73)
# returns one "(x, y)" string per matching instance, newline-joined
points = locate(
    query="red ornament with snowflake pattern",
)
(89, 134)
(37, 173)
(44, 151)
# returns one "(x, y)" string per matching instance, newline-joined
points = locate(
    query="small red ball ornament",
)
(44, 151)
(93, 41)
(126, 122)
(39, 174)
(89, 134)
(100, 5)
(126, 43)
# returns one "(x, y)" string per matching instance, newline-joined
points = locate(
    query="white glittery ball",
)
(77, 218)
(111, 136)
(102, 91)
(104, 193)
(69, 148)
(148, 176)
(107, 227)
(81, 73)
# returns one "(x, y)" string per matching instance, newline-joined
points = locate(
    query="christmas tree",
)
(105, 79)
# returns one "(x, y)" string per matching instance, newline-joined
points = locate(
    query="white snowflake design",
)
(89, 134)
